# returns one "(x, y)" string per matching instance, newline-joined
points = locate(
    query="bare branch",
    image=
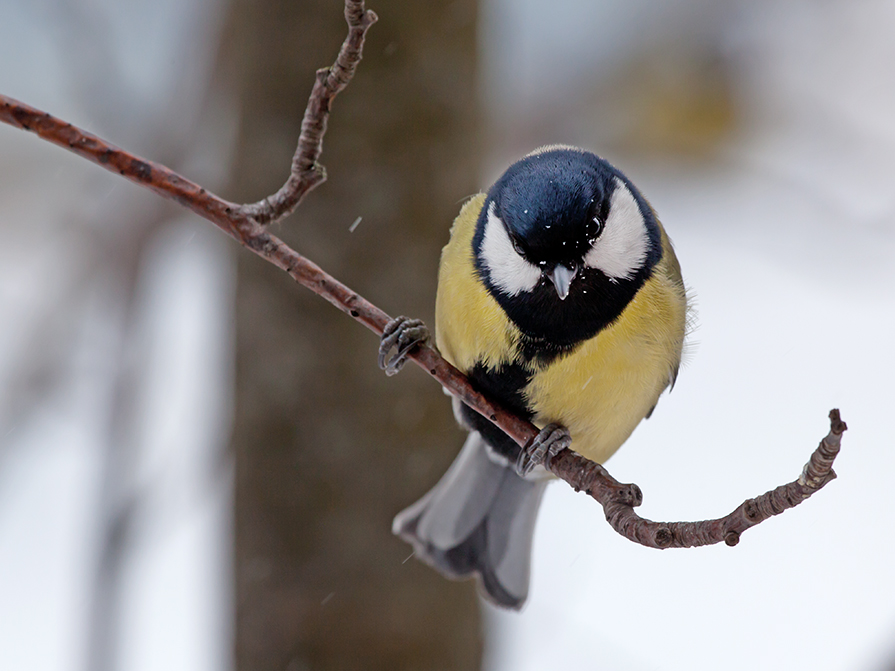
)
(619, 500)
(246, 223)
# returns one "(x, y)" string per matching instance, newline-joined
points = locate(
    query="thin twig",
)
(246, 223)
(618, 500)
(307, 173)
(230, 218)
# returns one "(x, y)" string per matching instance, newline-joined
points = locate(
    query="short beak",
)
(562, 278)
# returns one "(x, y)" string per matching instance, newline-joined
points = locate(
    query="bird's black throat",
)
(551, 327)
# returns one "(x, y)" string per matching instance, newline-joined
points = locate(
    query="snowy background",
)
(115, 352)
(786, 237)
(116, 364)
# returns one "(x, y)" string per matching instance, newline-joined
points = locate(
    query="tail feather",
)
(478, 521)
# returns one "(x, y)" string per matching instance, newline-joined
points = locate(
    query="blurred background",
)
(200, 460)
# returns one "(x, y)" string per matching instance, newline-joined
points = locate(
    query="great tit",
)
(559, 294)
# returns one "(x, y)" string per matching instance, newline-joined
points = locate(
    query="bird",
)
(560, 296)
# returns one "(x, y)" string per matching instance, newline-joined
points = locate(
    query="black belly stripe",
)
(504, 384)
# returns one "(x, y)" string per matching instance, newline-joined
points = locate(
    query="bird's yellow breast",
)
(600, 390)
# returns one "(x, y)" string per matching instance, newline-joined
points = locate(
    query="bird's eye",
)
(518, 247)
(594, 228)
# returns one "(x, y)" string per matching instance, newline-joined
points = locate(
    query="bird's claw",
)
(551, 440)
(404, 334)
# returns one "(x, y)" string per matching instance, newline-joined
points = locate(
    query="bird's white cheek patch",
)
(620, 250)
(509, 272)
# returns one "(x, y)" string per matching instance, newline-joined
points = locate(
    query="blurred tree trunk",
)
(327, 448)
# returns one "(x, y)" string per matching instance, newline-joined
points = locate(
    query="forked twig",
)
(307, 173)
(247, 224)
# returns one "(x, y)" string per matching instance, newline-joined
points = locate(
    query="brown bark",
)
(327, 448)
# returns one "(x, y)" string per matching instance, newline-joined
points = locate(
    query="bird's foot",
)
(551, 440)
(404, 334)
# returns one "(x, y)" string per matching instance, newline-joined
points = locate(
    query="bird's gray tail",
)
(478, 521)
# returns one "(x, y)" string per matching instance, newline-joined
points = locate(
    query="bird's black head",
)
(563, 242)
